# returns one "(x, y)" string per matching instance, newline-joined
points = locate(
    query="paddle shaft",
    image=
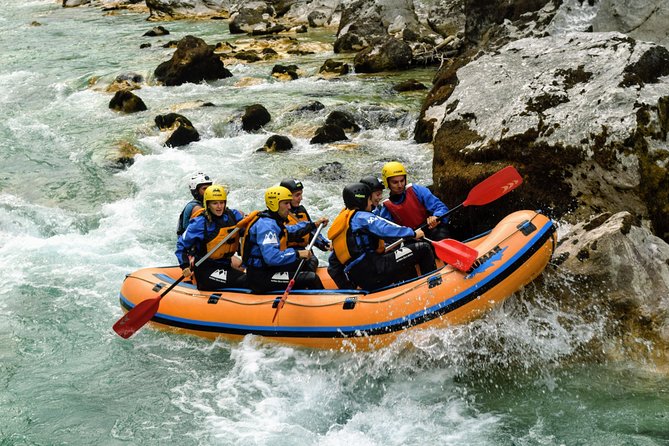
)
(199, 262)
(279, 305)
(205, 257)
(141, 313)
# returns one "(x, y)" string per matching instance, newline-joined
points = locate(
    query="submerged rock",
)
(193, 61)
(183, 132)
(333, 171)
(409, 85)
(276, 143)
(328, 133)
(127, 102)
(255, 117)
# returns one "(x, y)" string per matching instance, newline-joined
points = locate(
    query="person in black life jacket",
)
(265, 253)
(357, 239)
(197, 184)
(210, 225)
(298, 213)
(411, 204)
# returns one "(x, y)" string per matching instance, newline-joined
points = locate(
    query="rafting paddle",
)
(282, 301)
(142, 313)
(495, 186)
(454, 253)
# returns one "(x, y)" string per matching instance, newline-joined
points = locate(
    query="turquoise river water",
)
(71, 227)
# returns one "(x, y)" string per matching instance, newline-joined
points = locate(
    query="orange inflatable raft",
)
(510, 256)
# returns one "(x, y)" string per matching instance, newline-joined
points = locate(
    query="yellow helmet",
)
(215, 192)
(392, 169)
(274, 195)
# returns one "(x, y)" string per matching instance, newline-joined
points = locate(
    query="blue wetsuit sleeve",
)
(267, 238)
(300, 228)
(193, 236)
(322, 242)
(380, 226)
(238, 215)
(433, 205)
(188, 210)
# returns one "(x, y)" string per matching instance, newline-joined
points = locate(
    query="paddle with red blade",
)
(282, 301)
(495, 186)
(142, 313)
(454, 253)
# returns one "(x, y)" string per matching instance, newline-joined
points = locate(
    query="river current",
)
(72, 225)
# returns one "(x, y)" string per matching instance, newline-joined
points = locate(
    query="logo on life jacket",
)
(270, 239)
(282, 277)
(220, 275)
(402, 253)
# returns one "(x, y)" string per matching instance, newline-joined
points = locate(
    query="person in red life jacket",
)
(298, 213)
(268, 259)
(412, 205)
(357, 239)
(197, 184)
(210, 225)
(377, 191)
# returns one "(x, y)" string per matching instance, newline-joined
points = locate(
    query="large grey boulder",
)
(621, 266)
(364, 22)
(315, 13)
(249, 16)
(588, 135)
(387, 55)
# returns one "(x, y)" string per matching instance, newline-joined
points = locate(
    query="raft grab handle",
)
(526, 227)
(349, 303)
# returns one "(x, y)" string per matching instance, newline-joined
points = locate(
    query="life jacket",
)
(211, 239)
(246, 245)
(295, 216)
(346, 244)
(181, 227)
(410, 212)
